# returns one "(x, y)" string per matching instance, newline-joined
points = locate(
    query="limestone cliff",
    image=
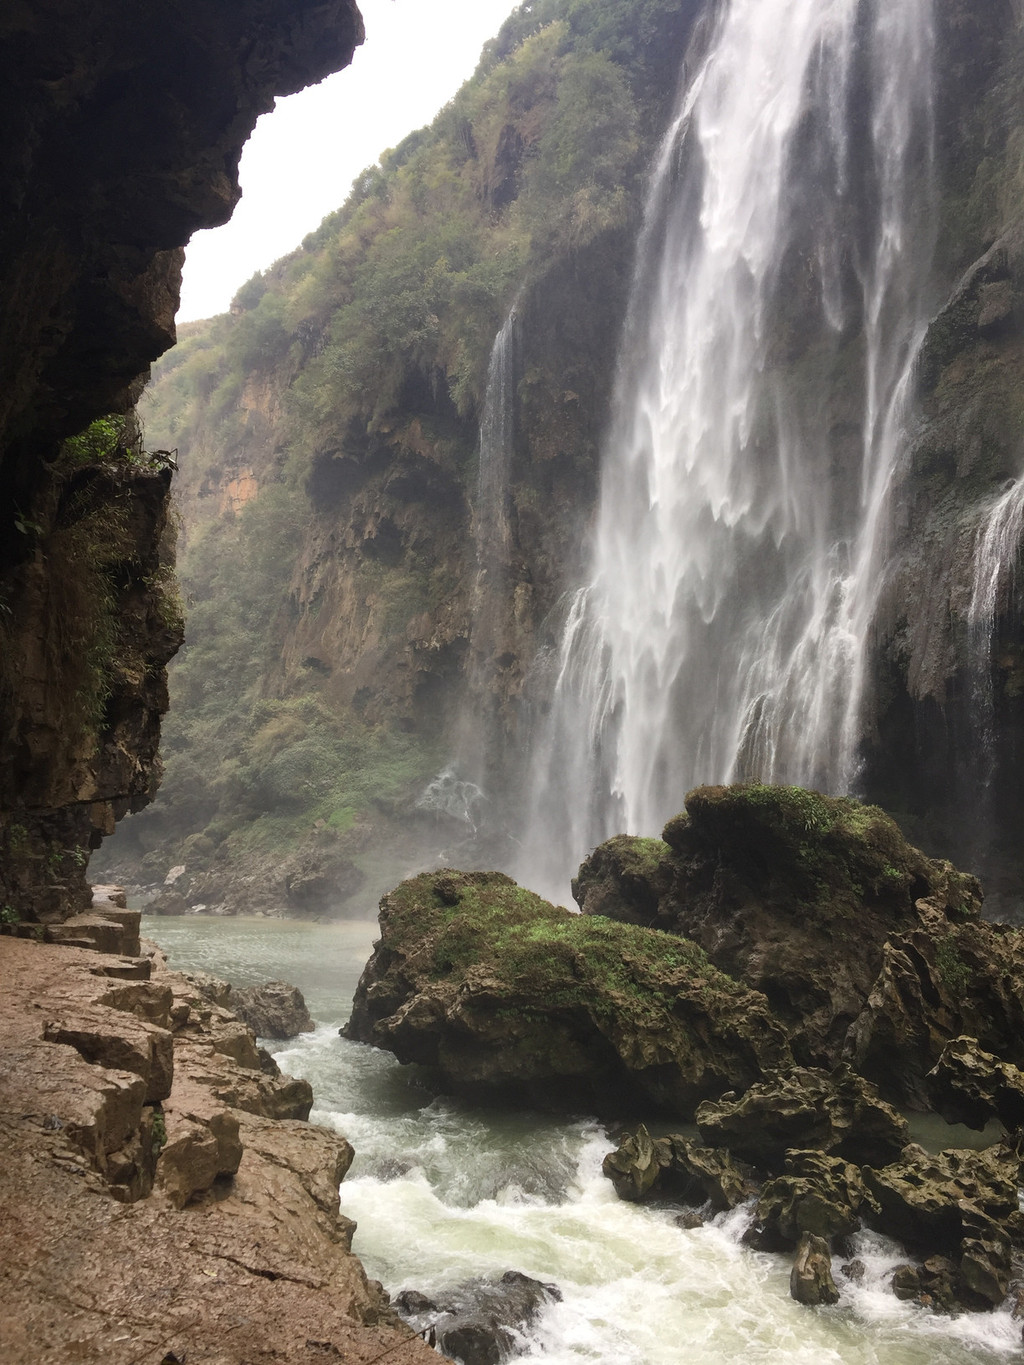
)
(403, 578)
(123, 129)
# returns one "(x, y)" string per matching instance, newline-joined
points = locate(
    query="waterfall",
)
(779, 300)
(460, 790)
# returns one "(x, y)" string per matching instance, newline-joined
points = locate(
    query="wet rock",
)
(689, 1220)
(677, 1167)
(273, 1010)
(499, 990)
(635, 1167)
(906, 1282)
(970, 1086)
(961, 1208)
(819, 1194)
(810, 1280)
(476, 1321)
(805, 1108)
(854, 1271)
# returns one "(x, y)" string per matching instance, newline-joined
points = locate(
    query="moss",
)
(829, 852)
(543, 954)
(954, 972)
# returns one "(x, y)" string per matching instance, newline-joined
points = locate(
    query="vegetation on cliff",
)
(327, 432)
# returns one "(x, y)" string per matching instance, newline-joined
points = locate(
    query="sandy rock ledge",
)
(163, 1198)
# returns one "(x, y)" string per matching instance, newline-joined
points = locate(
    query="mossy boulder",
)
(501, 991)
(792, 892)
(625, 878)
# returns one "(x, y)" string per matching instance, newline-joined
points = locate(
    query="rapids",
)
(442, 1192)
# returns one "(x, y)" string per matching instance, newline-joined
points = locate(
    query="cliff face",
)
(371, 579)
(403, 576)
(123, 129)
(946, 749)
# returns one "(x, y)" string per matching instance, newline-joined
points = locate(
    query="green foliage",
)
(8, 915)
(953, 971)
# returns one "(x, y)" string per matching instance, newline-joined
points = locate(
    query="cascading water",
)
(460, 790)
(442, 1193)
(779, 300)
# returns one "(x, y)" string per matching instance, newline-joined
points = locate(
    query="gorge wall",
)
(329, 433)
(123, 130)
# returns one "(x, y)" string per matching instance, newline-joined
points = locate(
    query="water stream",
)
(442, 1193)
(741, 534)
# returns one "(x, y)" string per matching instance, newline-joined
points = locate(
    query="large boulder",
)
(496, 988)
(792, 892)
(819, 1194)
(962, 1205)
(804, 1108)
(272, 1010)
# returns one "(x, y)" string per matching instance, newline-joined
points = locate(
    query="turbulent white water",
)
(442, 1194)
(741, 532)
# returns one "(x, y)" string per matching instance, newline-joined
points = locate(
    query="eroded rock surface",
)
(223, 1239)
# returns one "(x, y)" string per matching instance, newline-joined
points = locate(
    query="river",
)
(442, 1192)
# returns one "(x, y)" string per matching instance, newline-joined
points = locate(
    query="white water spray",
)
(741, 534)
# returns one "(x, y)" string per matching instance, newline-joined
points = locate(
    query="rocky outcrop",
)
(231, 1244)
(274, 1009)
(497, 989)
(676, 1167)
(867, 951)
(970, 1086)
(122, 137)
(961, 1205)
(838, 1112)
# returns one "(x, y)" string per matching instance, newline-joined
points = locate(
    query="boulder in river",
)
(274, 1009)
(498, 989)
(957, 1204)
(477, 1321)
(792, 892)
(810, 1281)
(677, 1167)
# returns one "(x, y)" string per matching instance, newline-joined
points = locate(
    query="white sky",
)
(301, 160)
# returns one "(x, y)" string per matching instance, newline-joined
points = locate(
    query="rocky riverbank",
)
(811, 973)
(164, 1197)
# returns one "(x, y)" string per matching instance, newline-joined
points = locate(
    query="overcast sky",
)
(302, 158)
